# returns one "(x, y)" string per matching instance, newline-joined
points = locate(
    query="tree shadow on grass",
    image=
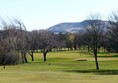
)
(98, 72)
(109, 56)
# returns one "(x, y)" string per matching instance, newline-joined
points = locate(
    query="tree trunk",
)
(44, 54)
(104, 49)
(96, 61)
(75, 47)
(22, 58)
(3, 60)
(71, 46)
(88, 48)
(25, 58)
(32, 56)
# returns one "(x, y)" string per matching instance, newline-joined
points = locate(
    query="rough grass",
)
(63, 67)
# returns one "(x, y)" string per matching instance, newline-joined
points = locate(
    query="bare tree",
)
(61, 39)
(70, 40)
(8, 53)
(22, 39)
(112, 32)
(33, 43)
(95, 32)
(46, 42)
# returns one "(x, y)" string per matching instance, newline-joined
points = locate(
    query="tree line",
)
(16, 42)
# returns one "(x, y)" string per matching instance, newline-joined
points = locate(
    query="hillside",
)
(71, 27)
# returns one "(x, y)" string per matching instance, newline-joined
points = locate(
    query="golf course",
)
(63, 67)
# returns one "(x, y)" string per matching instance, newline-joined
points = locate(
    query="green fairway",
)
(63, 67)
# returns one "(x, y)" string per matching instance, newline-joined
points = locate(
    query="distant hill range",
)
(71, 26)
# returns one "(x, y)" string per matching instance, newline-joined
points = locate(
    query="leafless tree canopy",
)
(112, 33)
(95, 34)
(46, 42)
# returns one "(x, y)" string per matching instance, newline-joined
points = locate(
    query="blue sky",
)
(41, 14)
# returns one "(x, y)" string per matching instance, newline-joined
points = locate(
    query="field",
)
(63, 67)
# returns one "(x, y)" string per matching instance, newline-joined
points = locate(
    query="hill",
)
(71, 26)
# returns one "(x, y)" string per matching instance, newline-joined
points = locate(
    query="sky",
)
(42, 14)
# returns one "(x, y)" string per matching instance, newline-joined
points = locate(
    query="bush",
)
(10, 58)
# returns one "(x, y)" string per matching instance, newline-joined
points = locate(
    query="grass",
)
(63, 67)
